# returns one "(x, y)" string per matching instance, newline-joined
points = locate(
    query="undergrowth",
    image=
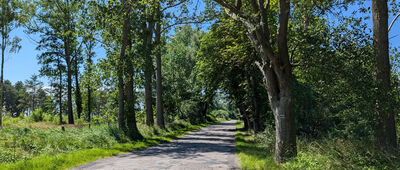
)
(37, 148)
(257, 151)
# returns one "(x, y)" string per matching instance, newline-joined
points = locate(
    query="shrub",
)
(37, 115)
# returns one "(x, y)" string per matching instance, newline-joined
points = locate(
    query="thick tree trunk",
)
(130, 96)
(285, 145)
(121, 66)
(78, 96)
(159, 100)
(148, 72)
(148, 95)
(385, 130)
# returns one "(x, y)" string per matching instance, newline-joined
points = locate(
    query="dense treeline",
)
(279, 64)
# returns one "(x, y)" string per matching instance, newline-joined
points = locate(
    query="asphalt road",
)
(211, 147)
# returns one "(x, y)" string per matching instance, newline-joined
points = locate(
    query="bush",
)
(37, 115)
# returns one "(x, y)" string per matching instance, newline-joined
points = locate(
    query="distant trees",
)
(23, 98)
(226, 58)
(183, 88)
(34, 87)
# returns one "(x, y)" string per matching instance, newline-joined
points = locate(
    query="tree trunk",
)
(245, 119)
(89, 100)
(3, 48)
(252, 94)
(148, 72)
(133, 130)
(121, 65)
(159, 100)
(89, 88)
(69, 85)
(67, 47)
(385, 130)
(60, 92)
(78, 96)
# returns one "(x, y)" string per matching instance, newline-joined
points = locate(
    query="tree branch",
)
(395, 18)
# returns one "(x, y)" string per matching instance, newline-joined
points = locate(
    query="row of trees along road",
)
(250, 53)
(277, 70)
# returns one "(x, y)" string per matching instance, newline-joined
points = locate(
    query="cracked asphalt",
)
(212, 147)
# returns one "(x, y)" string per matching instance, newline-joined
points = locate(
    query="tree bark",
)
(60, 92)
(3, 48)
(253, 96)
(159, 100)
(69, 95)
(78, 95)
(148, 72)
(385, 130)
(245, 118)
(67, 47)
(121, 65)
(133, 130)
(89, 88)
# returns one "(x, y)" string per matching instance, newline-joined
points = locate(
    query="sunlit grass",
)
(153, 136)
(251, 154)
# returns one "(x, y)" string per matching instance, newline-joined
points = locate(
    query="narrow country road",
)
(211, 147)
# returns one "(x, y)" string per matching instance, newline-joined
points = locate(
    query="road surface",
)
(212, 147)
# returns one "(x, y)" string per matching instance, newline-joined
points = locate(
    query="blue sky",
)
(22, 65)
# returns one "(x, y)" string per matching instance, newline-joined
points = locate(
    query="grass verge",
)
(257, 151)
(82, 156)
(250, 153)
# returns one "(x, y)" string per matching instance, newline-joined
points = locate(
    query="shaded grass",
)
(252, 155)
(153, 136)
(256, 152)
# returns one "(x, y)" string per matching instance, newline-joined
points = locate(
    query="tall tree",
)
(275, 65)
(386, 130)
(78, 95)
(158, 53)
(87, 29)
(9, 20)
(59, 18)
(148, 30)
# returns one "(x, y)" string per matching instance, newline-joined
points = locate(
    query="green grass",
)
(79, 154)
(256, 152)
(251, 154)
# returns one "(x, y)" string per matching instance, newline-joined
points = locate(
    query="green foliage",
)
(221, 114)
(37, 115)
(182, 91)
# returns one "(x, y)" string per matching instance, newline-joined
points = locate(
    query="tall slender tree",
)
(59, 16)
(9, 20)
(385, 130)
